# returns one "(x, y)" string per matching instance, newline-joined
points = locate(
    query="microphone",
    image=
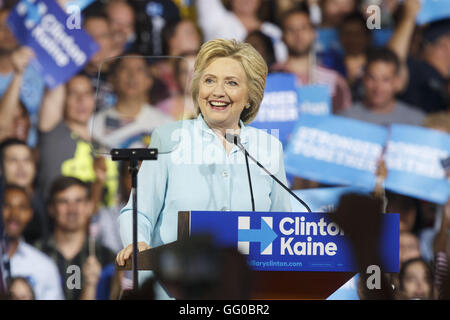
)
(236, 140)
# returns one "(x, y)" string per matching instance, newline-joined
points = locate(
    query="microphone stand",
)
(236, 140)
(134, 156)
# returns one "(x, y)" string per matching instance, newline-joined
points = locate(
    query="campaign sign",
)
(80, 4)
(335, 150)
(327, 39)
(293, 241)
(432, 10)
(322, 199)
(380, 37)
(278, 111)
(414, 162)
(60, 52)
(314, 99)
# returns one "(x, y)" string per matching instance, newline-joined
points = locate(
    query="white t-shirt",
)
(39, 269)
(111, 130)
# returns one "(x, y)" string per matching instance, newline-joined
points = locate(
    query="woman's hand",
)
(125, 253)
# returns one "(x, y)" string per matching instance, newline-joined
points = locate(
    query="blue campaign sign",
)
(432, 10)
(60, 52)
(81, 4)
(322, 199)
(380, 37)
(289, 241)
(413, 160)
(335, 150)
(327, 39)
(314, 99)
(278, 112)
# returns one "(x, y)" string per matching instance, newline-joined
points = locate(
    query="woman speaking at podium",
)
(197, 168)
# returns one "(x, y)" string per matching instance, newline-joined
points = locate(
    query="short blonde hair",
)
(251, 61)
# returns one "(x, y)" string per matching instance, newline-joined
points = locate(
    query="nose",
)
(72, 207)
(218, 90)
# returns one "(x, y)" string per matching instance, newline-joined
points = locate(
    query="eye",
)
(232, 83)
(209, 81)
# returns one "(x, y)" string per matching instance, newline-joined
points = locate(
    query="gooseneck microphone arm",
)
(250, 182)
(235, 139)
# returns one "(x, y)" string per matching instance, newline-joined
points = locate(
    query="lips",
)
(13, 226)
(218, 104)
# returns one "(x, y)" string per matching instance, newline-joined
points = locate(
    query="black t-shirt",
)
(49, 247)
(427, 88)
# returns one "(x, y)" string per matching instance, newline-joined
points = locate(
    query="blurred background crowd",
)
(60, 202)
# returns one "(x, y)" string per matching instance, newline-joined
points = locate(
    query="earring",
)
(247, 106)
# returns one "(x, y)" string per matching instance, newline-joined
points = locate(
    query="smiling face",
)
(122, 21)
(132, 78)
(17, 212)
(80, 100)
(98, 28)
(380, 82)
(223, 93)
(417, 282)
(18, 165)
(71, 209)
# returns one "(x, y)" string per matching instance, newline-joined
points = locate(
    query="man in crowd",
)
(70, 246)
(381, 83)
(122, 22)
(26, 261)
(425, 77)
(299, 36)
(64, 140)
(427, 85)
(98, 27)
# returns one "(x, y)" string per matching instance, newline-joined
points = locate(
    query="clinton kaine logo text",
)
(294, 233)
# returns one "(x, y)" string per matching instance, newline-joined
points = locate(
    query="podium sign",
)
(287, 241)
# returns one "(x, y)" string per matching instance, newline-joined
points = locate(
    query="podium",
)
(310, 263)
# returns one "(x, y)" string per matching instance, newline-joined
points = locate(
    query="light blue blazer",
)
(193, 172)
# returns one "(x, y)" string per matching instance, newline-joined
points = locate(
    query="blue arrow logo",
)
(265, 236)
(32, 11)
